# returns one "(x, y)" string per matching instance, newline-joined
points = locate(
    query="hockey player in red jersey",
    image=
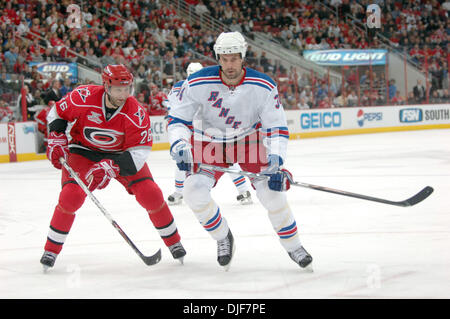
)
(110, 138)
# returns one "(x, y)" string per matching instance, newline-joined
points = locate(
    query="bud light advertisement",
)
(46, 69)
(346, 57)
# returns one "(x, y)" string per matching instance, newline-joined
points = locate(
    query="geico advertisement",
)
(321, 120)
(425, 114)
(339, 119)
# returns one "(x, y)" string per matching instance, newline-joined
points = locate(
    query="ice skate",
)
(245, 198)
(225, 251)
(48, 260)
(175, 199)
(178, 252)
(301, 257)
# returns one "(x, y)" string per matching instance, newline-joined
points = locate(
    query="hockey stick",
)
(148, 260)
(417, 198)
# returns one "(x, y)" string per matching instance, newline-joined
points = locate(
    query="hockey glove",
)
(101, 173)
(278, 177)
(57, 146)
(280, 181)
(181, 152)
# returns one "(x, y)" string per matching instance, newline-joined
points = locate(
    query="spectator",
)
(419, 92)
(66, 87)
(322, 92)
(352, 99)
(341, 100)
(302, 105)
(392, 89)
(325, 103)
(11, 58)
(53, 93)
(201, 8)
(398, 99)
(435, 98)
(6, 115)
(130, 25)
(37, 98)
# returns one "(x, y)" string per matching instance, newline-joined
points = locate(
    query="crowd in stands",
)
(157, 44)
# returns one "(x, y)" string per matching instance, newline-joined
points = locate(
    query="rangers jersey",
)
(97, 134)
(221, 113)
(173, 95)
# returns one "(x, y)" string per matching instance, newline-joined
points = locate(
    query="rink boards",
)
(21, 141)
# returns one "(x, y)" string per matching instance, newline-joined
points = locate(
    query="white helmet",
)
(230, 42)
(193, 67)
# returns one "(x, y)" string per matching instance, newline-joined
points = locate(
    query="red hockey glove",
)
(101, 173)
(57, 146)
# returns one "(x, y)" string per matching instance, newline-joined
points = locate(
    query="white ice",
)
(361, 249)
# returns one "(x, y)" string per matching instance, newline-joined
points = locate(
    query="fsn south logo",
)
(373, 12)
(411, 115)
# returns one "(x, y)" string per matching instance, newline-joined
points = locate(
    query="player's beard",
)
(115, 102)
(232, 74)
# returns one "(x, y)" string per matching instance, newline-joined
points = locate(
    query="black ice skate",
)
(301, 257)
(225, 251)
(178, 252)
(245, 198)
(175, 199)
(48, 260)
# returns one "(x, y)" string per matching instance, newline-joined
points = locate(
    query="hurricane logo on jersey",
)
(140, 114)
(84, 93)
(103, 138)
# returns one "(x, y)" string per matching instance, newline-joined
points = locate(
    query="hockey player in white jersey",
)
(244, 196)
(235, 115)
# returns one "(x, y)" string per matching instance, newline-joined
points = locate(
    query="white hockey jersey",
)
(220, 113)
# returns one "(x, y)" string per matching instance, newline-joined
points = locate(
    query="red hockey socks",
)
(71, 199)
(164, 223)
(59, 229)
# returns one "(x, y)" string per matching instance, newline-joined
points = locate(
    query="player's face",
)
(231, 65)
(119, 94)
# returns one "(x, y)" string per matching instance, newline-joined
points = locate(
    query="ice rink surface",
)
(361, 249)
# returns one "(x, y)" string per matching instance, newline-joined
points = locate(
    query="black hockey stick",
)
(148, 260)
(420, 196)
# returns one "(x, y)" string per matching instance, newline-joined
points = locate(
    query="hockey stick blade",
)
(148, 260)
(420, 196)
(417, 198)
(152, 260)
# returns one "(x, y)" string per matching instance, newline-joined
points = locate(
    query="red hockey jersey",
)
(128, 128)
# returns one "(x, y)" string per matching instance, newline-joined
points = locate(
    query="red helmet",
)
(117, 75)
